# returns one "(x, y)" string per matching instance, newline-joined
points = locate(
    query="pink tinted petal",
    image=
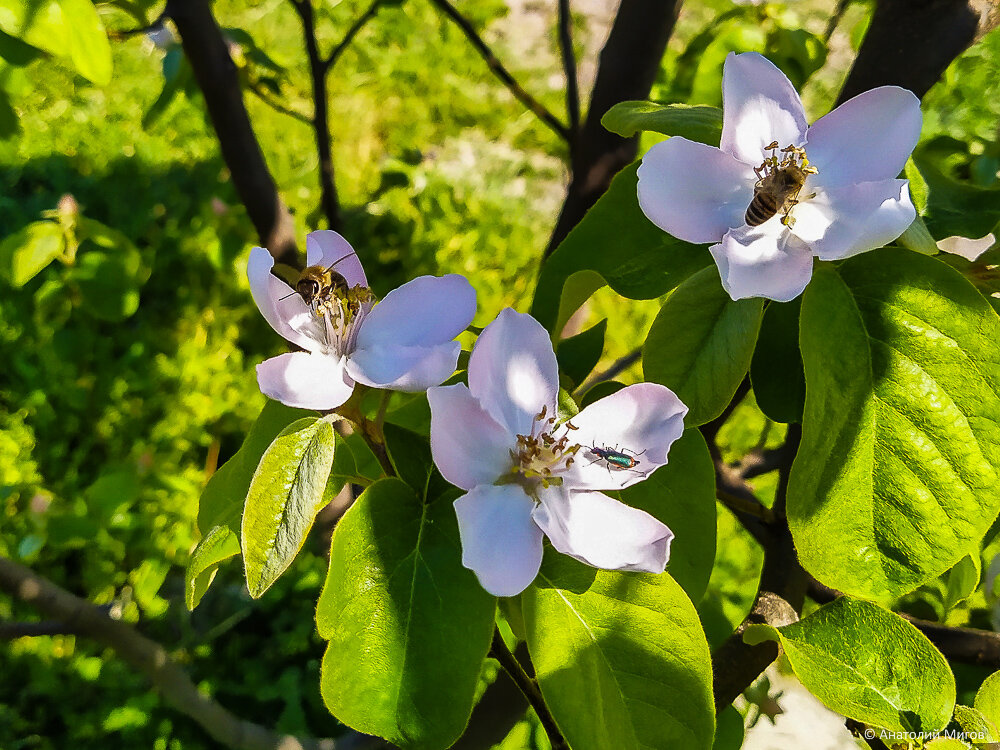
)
(426, 311)
(277, 302)
(968, 248)
(765, 261)
(603, 532)
(306, 381)
(500, 542)
(841, 222)
(693, 191)
(468, 446)
(759, 105)
(640, 421)
(404, 368)
(513, 370)
(325, 248)
(865, 139)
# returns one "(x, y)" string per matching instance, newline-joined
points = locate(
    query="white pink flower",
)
(527, 473)
(853, 203)
(403, 343)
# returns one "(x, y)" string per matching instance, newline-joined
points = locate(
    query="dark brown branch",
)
(217, 78)
(569, 68)
(529, 687)
(261, 92)
(838, 13)
(321, 122)
(11, 630)
(910, 43)
(501, 72)
(352, 32)
(148, 657)
(628, 66)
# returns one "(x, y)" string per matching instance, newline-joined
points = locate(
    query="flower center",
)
(779, 182)
(341, 312)
(543, 454)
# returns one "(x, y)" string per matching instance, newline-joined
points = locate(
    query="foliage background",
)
(110, 425)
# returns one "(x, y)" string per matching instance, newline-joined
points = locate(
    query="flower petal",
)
(513, 370)
(306, 381)
(277, 302)
(326, 248)
(693, 191)
(759, 105)
(500, 542)
(641, 421)
(426, 311)
(404, 368)
(468, 446)
(865, 139)
(603, 532)
(764, 261)
(841, 222)
(967, 247)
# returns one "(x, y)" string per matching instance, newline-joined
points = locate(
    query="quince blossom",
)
(403, 343)
(850, 201)
(528, 474)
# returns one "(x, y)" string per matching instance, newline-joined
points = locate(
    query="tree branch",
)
(352, 32)
(11, 630)
(628, 66)
(148, 657)
(321, 124)
(501, 72)
(529, 687)
(569, 68)
(910, 43)
(216, 75)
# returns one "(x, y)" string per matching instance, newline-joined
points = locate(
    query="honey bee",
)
(778, 185)
(319, 285)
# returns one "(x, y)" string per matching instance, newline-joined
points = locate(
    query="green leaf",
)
(599, 391)
(9, 123)
(917, 237)
(698, 123)
(219, 544)
(410, 455)
(953, 207)
(110, 281)
(222, 500)
(65, 28)
(408, 626)
(987, 699)
(896, 478)
(621, 658)
(728, 730)
(976, 725)
(946, 743)
(614, 243)
(578, 355)
(26, 252)
(682, 495)
(286, 493)
(868, 664)
(963, 580)
(89, 48)
(779, 382)
(700, 345)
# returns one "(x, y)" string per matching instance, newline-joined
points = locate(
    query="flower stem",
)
(529, 687)
(371, 432)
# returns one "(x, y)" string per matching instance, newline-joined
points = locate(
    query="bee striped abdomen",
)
(763, 206)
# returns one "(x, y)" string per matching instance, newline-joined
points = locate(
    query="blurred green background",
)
(127, 363)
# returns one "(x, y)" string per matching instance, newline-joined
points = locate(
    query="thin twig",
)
(569, 67)
(529, 687)
(147, 657)
(255, 88)
(337, 51)
(615, 369)
(501, 72)
(838, 13)
(321, 124)
(120, 34)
